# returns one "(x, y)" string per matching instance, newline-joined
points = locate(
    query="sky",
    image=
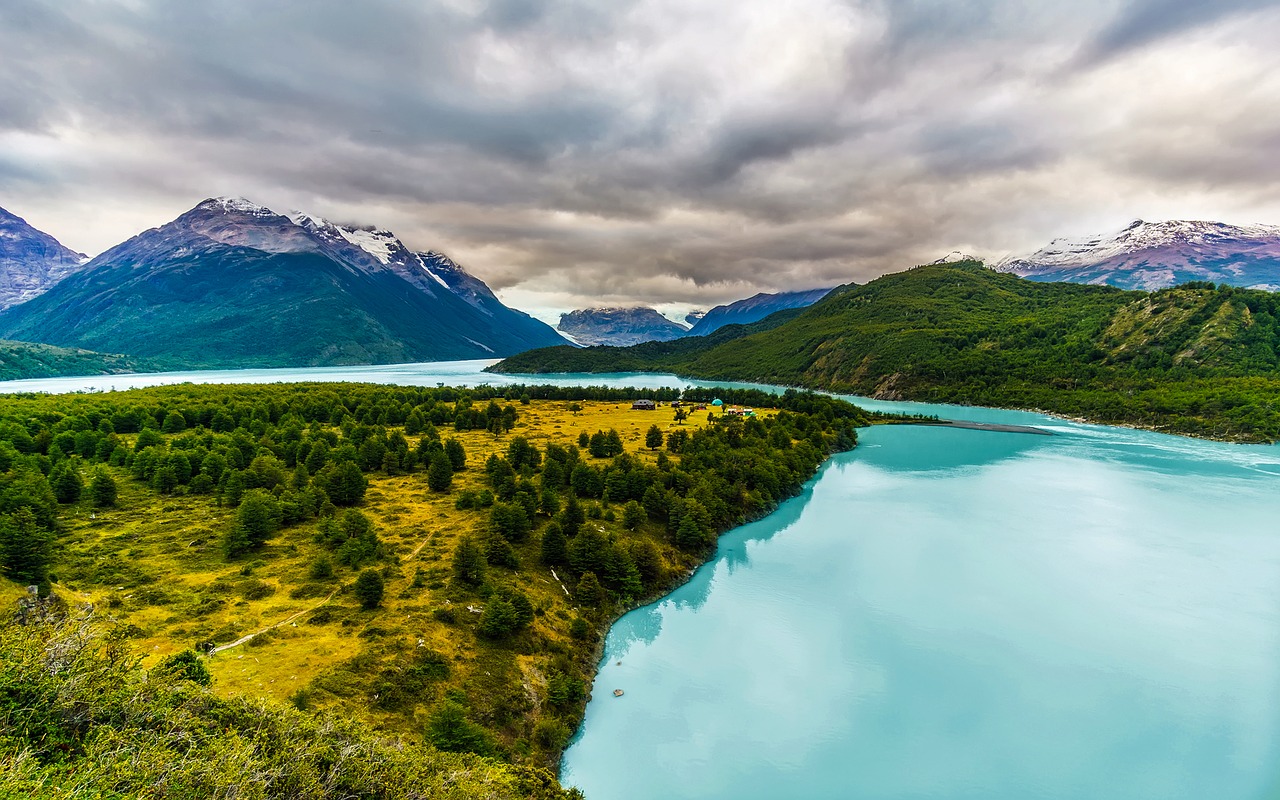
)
(658, 152)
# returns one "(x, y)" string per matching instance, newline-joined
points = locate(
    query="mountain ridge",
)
(233, 283)
(31, 260)
(1156, 255)
(618, 326)
(754, 308)
(1196, 359)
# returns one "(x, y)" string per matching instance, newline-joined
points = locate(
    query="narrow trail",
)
(248, 636)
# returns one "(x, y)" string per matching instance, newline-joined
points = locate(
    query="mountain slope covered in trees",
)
(1197, 359)
(19, 360)
(233, 284)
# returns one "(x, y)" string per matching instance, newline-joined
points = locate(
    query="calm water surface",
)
(945, 614)
(965, 614)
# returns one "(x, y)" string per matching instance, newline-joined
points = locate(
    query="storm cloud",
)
(658, 152)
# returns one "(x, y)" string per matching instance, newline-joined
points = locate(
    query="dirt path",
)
(284, 621)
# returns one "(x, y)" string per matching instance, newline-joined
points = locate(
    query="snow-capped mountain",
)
(1153, 255)
(955, 256)
(233, 282)
(30, 260)
(618, 326)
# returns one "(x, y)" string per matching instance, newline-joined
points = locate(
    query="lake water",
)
(946, 614)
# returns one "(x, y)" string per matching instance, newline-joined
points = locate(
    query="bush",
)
(185, 666)
(369, 589)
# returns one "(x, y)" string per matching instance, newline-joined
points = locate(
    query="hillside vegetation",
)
(19, 360)
(438, 564)
(1195, 359)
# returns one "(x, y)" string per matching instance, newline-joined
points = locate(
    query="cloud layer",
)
(651, 151)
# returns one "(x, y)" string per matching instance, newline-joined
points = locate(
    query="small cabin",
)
(644, 405)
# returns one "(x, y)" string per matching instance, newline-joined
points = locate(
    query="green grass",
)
(153, 566)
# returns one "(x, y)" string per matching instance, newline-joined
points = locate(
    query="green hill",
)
(1195, 359)
(19, 360)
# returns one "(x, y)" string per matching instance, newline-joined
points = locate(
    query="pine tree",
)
(498, 619)
(440, 473)
(66, 482)
(258, 516)
(25, 548)
(589, 592)
(369, 589)
(102, 489)
(457, 456)
(632, 515)
(653, 438)
(613, 443)
(468, 562)
(572, 517)
(555, 548)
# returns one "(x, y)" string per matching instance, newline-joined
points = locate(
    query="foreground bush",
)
(80, 720)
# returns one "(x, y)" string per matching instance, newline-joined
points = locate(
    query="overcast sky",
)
(666, 152)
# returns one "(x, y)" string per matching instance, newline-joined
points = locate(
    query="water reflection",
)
(963, 614)
(949, 448)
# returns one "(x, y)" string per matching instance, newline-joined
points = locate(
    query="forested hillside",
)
(439, 564)
(1196, 359)
(19, 360)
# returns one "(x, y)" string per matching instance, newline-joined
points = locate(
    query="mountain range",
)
(232, 283)
(31, 260)
(1192, 359)
(1156, 255)
(618, 326)
(754, 309)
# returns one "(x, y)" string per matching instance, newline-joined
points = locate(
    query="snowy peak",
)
(235, 205)
(955, 256)
(1152, 255)
(376, 242)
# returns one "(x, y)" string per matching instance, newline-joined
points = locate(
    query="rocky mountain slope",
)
(754, 309)
(30, 260)
(1155, 255)
(231, 283)
(618, 326)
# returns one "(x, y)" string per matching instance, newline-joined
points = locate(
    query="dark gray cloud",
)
(648, 151)
(1146, 21)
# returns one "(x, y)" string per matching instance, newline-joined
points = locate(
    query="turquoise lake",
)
(947, 614)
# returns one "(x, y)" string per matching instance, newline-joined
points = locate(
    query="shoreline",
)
(596, 656)
(997, 427)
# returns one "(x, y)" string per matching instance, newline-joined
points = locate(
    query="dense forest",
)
(1196, 359)
(439, 564)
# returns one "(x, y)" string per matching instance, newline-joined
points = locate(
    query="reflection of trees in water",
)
(733, 548)
(641, 626)
(898, 447)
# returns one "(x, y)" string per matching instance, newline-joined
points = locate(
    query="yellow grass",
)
(177, 542)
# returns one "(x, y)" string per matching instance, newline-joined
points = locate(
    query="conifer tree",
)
(440, 473)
